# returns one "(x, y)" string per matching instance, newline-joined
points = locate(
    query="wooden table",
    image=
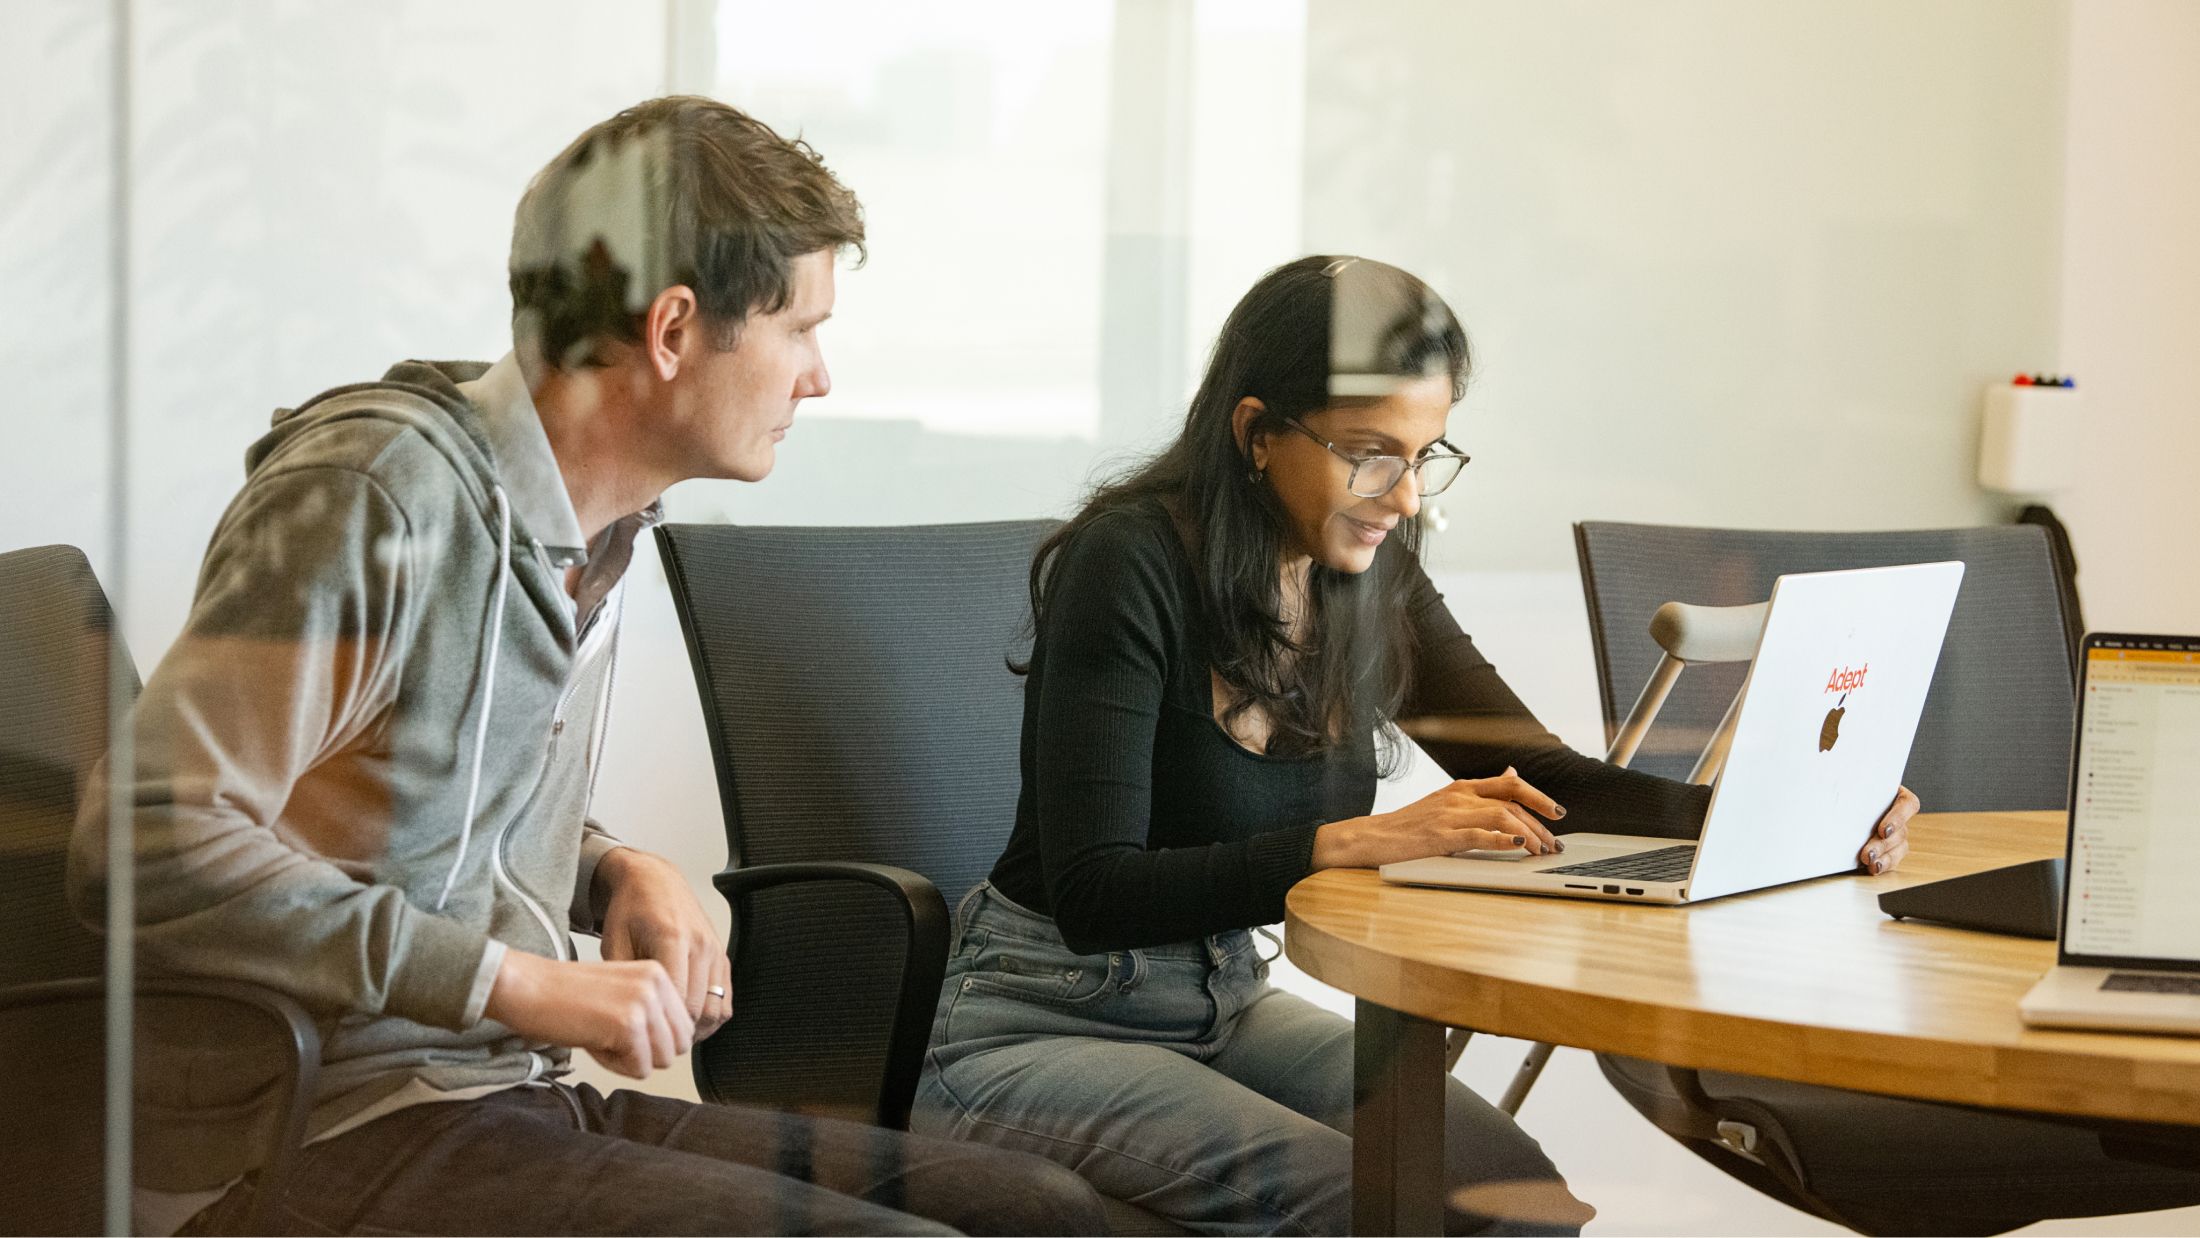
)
(1810, 982)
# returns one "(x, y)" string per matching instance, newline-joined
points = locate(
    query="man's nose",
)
(816, 382)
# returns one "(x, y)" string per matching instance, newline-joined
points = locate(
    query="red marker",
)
(2021, 380)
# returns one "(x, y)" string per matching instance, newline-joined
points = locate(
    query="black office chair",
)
(55, 636)
(865, 727)
(1995, 735)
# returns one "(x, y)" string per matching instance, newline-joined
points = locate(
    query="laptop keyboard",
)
(2150, 982)
(1664, 864)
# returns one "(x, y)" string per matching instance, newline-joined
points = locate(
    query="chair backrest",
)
(856, 686)
(55, 633)
(1996, 730)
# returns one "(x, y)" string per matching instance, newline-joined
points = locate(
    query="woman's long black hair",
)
(1311, 334)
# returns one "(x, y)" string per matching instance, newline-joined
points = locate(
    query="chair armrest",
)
(918, 895)
(296, 1032)
(924, 957)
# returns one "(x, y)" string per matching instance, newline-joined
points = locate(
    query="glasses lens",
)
(1438, 472)
(1373, 477)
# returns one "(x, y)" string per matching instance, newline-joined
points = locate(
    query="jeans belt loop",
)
(962, 909)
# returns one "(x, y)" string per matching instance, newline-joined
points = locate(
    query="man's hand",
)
(628, 1015)
(649, 913)
(1890, 839)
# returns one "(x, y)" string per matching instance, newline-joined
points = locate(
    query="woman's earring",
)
(1256, 474)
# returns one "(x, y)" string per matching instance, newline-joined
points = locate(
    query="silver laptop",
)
(1826, 718)
(2128, 955)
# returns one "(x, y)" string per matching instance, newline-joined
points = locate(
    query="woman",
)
(1224, 639)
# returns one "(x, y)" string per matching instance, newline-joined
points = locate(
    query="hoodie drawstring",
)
(488, 687)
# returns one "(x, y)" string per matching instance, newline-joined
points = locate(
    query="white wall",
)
(1723, 262)
(2131, 310)
(54, 273)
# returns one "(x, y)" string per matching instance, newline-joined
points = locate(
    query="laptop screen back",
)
(2133, 894)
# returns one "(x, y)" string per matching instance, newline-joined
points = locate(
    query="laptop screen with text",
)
(2134, 884)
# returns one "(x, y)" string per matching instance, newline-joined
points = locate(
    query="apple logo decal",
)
(1830, 733)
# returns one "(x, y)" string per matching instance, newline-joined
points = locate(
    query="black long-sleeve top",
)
(1141, 822)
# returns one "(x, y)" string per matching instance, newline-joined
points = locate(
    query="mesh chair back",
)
(54, 632)
(856, 687)
(1996, 730)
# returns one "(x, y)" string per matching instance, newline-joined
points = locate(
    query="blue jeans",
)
(1178, 1079)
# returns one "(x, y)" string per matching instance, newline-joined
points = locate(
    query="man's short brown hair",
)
(678, 190)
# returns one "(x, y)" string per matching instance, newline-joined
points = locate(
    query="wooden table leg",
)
(1397, 1123)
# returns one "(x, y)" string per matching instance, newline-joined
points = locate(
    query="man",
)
(363, 772)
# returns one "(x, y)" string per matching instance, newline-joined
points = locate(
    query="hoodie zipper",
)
(591, 647)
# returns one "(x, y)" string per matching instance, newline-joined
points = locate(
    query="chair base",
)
(1884, 1165)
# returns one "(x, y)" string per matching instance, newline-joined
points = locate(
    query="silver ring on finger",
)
(716, 990)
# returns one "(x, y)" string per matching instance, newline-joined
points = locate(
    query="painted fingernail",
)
(1879, 866)
(1561, 811)
(1872, 855)
(1518, 841)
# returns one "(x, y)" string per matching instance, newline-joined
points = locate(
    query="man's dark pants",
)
(570, 1160)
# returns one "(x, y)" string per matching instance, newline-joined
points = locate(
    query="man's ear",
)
(1248, 410)
(671, 329)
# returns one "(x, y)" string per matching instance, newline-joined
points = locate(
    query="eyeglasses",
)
(1375, 476)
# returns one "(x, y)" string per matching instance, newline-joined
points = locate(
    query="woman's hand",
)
(1890, 840)
(1494, 814)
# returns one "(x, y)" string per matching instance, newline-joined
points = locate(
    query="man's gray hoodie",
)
(363, 770)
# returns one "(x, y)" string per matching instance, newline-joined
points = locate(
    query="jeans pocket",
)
(1034, 972)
